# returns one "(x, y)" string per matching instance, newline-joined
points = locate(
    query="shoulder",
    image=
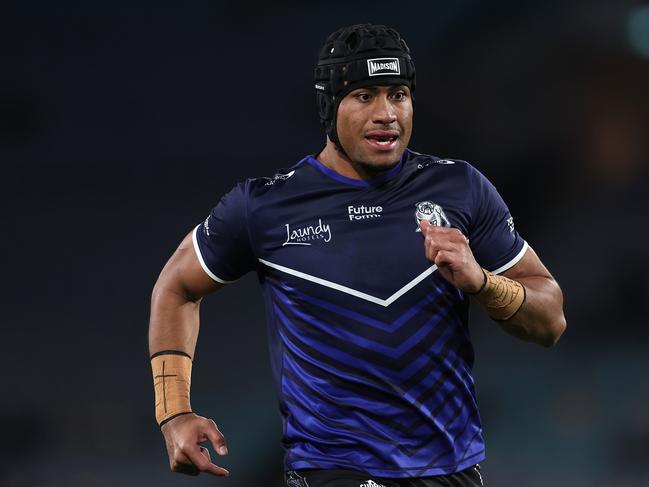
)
(455, 178)
(282, 181)
(430, 165)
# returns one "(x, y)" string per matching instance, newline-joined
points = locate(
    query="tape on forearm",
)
(172, 372)
(502, 297)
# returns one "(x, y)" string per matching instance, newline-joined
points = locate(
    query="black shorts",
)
(350, 478)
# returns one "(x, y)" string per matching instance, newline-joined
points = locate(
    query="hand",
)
(449, 249)
(184, 435)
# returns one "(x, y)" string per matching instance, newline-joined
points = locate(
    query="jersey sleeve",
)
(222, 242)
(495, 243)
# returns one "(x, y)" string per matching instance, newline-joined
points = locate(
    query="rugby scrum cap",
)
(354, 57)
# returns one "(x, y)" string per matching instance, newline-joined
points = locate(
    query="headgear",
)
(354, 57)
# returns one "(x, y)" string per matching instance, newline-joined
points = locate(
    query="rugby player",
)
(368, 255)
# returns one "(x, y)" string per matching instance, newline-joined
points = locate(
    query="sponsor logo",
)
(320, 87)
(371, 483)
(432, 213)
(206, 226)
(424, 164)
(305, 235)
(293, 479)
(510, 224)
(363, 212)
(279, 177)
(383, 66)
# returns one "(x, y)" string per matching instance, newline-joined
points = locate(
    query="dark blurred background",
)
(121, 124)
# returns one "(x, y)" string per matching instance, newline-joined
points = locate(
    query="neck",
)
(343, 165)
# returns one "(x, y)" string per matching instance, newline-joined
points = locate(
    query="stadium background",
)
(121, 124)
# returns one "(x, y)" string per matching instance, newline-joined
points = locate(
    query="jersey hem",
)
(401, 473)
(202, 261)
(512, 262)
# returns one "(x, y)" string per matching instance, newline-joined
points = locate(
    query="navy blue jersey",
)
(370, 347)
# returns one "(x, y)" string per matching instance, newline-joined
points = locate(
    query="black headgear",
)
(354, 57)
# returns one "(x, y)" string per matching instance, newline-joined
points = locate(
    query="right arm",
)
(174, 325)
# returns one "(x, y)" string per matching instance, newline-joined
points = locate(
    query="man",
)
(367, 254)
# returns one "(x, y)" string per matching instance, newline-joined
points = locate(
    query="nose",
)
(384, 112)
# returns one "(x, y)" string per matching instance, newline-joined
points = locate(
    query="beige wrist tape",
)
(172, 373)
(502, 297)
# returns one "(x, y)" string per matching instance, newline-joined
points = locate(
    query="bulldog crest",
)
(432, 213)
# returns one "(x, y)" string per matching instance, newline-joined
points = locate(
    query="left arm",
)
(539, 319)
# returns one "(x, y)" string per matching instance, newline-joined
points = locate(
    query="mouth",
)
(384, 140)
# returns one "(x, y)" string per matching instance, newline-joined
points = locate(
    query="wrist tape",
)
(172, 371)
(502, 297)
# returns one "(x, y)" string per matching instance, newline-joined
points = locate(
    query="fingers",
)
(437, 239)
(186, 455)
(440, 232)
(217, 439)
(434, 244)
(445, 258)
(194, 459)
(182, 464)
(206, 453)
(425, 226)
(448, 248)
(199, 456)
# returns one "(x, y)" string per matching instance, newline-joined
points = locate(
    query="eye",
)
(399, 95)
(363, 96)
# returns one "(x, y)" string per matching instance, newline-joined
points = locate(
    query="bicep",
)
(540, 319)
(529, 266)
(183, 274)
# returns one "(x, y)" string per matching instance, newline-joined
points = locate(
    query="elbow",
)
(553, 332)
(169, 288)
(162, 291)
(157, 291)
(554, 319)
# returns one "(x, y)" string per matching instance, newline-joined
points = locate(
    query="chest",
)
(366, 241)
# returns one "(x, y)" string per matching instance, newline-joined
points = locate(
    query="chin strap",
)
(328, 111)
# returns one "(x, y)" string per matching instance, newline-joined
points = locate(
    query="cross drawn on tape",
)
(164, 386)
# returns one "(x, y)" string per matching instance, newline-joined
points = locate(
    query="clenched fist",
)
(184, 436)
(449, 250)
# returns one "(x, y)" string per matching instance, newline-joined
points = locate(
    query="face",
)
(374, 125)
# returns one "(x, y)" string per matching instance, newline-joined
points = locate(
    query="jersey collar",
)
(364, 183)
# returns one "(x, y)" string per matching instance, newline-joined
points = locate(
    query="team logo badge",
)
(295, 480)
(432, 213)
(371, 483)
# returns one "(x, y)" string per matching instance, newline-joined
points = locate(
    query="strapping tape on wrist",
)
(502, 297)
(172, 371)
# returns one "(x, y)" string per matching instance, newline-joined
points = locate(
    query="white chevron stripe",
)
(373, 299)
(353, 292)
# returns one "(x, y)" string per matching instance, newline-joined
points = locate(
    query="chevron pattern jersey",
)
(370, 346)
